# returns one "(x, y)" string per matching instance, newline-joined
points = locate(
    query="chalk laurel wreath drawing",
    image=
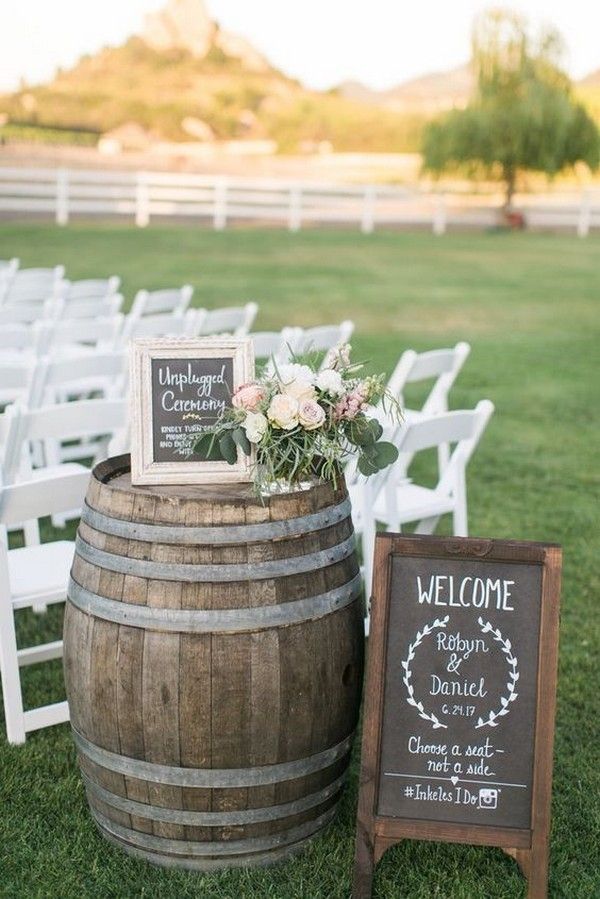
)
(427, 716)
(513, 676)
(505, 701)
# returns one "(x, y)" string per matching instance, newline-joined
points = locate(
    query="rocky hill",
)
(183, 78)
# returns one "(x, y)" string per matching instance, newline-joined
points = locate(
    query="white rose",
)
(255, 425)
(330, 381)
(283, 411)
(300, 390)
(295, 373)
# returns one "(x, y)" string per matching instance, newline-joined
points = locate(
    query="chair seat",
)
(40, 572)
(413, 503)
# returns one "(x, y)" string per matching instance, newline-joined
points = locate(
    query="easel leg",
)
(534, 865)
(363, 866)
(538, 868)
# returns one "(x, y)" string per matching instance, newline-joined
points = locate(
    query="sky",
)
(320, 42)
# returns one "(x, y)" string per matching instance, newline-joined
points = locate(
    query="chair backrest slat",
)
(324, 337)
(443, 365)
(161, 325)
(42, 496)
(98, 332)
(62, 421)
(158, 302)
(237, 320)
(445, 428)
(98, 307)
(91, 288)
(59, 374)
(461, 429)
(28, 312)
(33, 284)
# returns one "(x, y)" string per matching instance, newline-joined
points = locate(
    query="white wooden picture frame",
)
(155, 462)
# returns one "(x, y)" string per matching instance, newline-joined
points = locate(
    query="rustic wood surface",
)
(219, 700)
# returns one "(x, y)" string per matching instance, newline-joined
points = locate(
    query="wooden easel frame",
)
(376, 833)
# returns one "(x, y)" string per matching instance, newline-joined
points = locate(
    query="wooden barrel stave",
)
(148, 687)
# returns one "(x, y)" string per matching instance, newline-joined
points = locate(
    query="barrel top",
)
(114, 476)
(116, 473)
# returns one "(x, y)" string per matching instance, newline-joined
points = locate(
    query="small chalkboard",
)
(179, 388)
(460, 699)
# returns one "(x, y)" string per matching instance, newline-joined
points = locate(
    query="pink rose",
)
(248, 396)
(310, 415)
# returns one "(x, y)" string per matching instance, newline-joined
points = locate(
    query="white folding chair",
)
(27, 313)
(323, 338)
(20, 426)
(160, 302)
(162, 325)
(100, 307)
(18, 343)
(31, 284)
(274, 347)
(23, 429)
(73, 336)
(440, 366)
(16, 378)
(32, 576)
(394, 500)
(91, 288)
(56, 380)
(237, 320)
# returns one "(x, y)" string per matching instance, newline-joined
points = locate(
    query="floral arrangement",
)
(303, 423)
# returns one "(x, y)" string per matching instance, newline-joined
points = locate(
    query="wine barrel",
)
(213, 654)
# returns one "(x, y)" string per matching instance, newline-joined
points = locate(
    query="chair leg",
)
(461, 527)
(427, 525)
(9, 672)
(443, 457)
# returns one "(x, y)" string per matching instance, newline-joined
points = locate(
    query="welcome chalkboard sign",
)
(459, 699)
(179, 388)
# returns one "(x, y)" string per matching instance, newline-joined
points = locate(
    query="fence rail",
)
(143, 196)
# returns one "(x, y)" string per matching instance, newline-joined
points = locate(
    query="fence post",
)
(62, 196)
(295, 208)
(440, 220)
(585, 214)
(142, 200)
(367, 222)
(220, 207)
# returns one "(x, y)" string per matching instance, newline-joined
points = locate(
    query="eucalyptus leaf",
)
(228, 448)
(387, 453)
(239, 435)
(204, 444)
(375, 428)
(366, 466)
(360, 433)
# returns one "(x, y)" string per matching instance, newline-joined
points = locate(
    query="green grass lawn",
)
(530, 307)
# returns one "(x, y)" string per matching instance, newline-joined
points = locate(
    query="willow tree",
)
(523, 115)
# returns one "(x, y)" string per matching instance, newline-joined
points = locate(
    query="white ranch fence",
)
(142, 196)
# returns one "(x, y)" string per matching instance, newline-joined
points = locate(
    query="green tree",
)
(522, 116)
